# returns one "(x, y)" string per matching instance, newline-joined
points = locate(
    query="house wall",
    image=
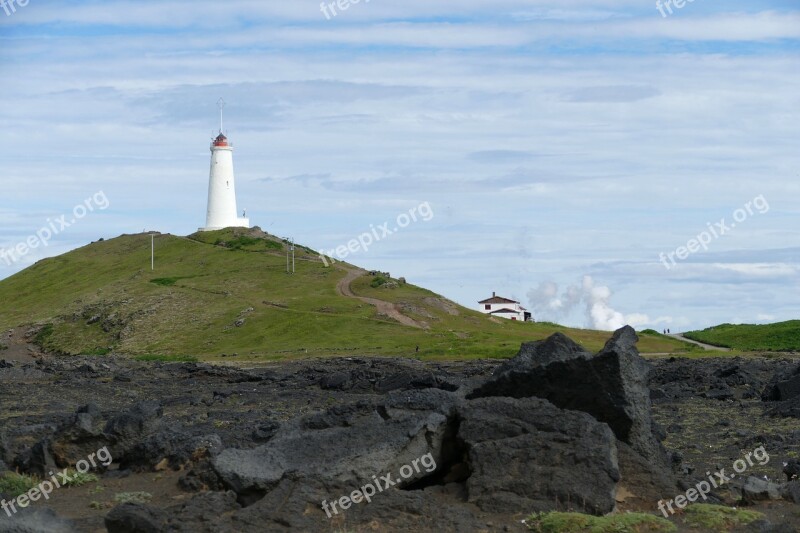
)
(518, 316)
(495, 307)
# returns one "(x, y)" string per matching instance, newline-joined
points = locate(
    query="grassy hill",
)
(780, 337)
(228, 292)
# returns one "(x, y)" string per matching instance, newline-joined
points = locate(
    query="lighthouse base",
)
(239, 223)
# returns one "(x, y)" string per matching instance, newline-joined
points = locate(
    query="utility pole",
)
(152, 251)
(289, 248)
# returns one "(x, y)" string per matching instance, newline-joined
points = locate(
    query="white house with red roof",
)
(504, 308)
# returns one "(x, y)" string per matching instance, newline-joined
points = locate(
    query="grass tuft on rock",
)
(13, 484)
(378, 281)
(718, 518)
(77, 479)
(557, 522)
(133, 497)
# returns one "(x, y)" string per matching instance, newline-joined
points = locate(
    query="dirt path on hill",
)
(14, 347)
(386, 308)
(701, 344)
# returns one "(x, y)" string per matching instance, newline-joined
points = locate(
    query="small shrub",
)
(165, 282)
(14, 484)
(76, 479)
(245, 241)
(240, 242)
(133, 497)
(378, 281)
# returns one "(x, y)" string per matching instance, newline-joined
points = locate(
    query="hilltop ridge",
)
(224, 293)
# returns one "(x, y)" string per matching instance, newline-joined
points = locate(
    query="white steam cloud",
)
(547, 303)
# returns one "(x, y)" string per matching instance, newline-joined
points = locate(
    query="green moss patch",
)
(556, 522)
(707, 517)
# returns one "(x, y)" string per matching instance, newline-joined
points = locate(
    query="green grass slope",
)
(779, 337)
(228, 292)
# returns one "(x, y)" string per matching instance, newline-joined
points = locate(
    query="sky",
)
(603, 162)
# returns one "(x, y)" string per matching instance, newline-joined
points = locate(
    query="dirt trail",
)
(386, 308)
(14, 347)
(703, 345)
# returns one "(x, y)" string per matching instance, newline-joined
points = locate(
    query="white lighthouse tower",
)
(222, 212)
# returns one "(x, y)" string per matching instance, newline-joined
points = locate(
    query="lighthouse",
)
(222, 212)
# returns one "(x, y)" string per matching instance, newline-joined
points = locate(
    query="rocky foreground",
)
(474, 446)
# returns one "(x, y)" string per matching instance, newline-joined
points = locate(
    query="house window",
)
(487, 307)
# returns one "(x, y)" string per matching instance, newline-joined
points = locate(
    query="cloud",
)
(612, 94)
(761, 270)
(569, 15)
(502, 156)
(304, 179)
(556, 139)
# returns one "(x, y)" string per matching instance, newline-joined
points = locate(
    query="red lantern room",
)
(221, 140)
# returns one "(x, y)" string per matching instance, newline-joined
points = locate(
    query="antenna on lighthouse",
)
(221, 105)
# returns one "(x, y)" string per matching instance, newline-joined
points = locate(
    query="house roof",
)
(498, 300)
(505, 310)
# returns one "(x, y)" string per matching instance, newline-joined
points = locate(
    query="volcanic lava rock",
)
(784, 385)
(346, 444)
(38, 459)
(792, 469)
(135, 518)
(529, 454)
(612, 386)
(791, 491)
(756, 489)
(263, 448)
(129, 428)
(176, 447)
(502, 454)
(785, 409)
(80, 436)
